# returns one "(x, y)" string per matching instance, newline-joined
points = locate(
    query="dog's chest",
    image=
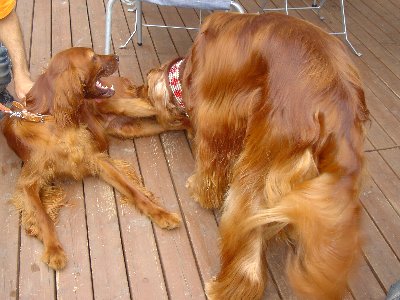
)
(72, 151)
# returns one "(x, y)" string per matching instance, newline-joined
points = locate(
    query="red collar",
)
(175, 83)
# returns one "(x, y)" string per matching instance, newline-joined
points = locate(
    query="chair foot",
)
(352, 47)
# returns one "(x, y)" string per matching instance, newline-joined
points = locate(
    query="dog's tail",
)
(321, 215)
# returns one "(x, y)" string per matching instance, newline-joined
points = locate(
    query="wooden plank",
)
(190, 18)
(80, 28)
(75, 281)
(385, 178)
(203, 234)
(392, 157)
(186, 280)
(96, 13)
(41, 37)
(371, 10)
(277, 252)
(377, 136)
(10, 168)
(202, 227)
(380, 210)
(108, 272)
(201, 223)
(60, 26)
(363, 283)
(9, 231)
(379, 255)
(379, 89)
(128, 62)
(384, 117)
(271, 291)
(387, 10)
(180, 37)
(106, 254)
(376, 58)
(179, 264)
(368, 146)
(36, 279)
(381, 40)
(25, 15)
(142, 257)
(140, 247)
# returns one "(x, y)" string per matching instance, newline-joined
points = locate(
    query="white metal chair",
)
(316, 7)
(197, 4)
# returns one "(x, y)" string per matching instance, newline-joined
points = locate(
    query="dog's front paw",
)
(55, 257)
(166, 220)
(189, 183)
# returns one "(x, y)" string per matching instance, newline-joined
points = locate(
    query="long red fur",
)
(277, 110)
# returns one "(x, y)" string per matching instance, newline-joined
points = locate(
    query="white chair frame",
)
(235, 6)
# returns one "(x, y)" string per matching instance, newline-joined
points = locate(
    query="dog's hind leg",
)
(243, 272)
(131, 187)
(325, 218)
(53, 254)
(322, 219)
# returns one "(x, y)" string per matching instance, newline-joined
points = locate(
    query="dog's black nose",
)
(116, 57)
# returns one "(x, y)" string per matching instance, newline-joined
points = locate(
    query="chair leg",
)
(236, 6)
(139, 21)
(138, 25)
(107, 46)
(344, 28)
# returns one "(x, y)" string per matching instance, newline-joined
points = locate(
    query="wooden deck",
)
(115, 253)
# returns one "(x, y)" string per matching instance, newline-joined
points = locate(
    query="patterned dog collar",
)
(175, 84)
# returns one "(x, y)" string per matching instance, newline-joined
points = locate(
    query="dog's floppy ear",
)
(68, 95)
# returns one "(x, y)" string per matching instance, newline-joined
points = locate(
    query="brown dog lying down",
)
(277, 112)
(61, 146)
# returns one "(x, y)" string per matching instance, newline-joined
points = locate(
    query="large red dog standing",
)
(277, 110)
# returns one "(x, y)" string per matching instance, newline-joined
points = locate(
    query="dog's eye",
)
(94, 58)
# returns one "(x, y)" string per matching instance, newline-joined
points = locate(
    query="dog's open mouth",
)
(104, 90)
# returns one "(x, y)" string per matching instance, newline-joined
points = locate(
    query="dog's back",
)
(284, 102)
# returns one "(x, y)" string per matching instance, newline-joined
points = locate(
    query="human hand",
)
(22, 85)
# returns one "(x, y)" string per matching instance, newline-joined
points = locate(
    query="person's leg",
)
(394, 292)
(5, 78)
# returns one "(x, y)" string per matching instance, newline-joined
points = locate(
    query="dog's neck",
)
(174, 78)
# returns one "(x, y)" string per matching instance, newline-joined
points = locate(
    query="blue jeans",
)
(5, 68)
(5, 77)
(394, 292)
